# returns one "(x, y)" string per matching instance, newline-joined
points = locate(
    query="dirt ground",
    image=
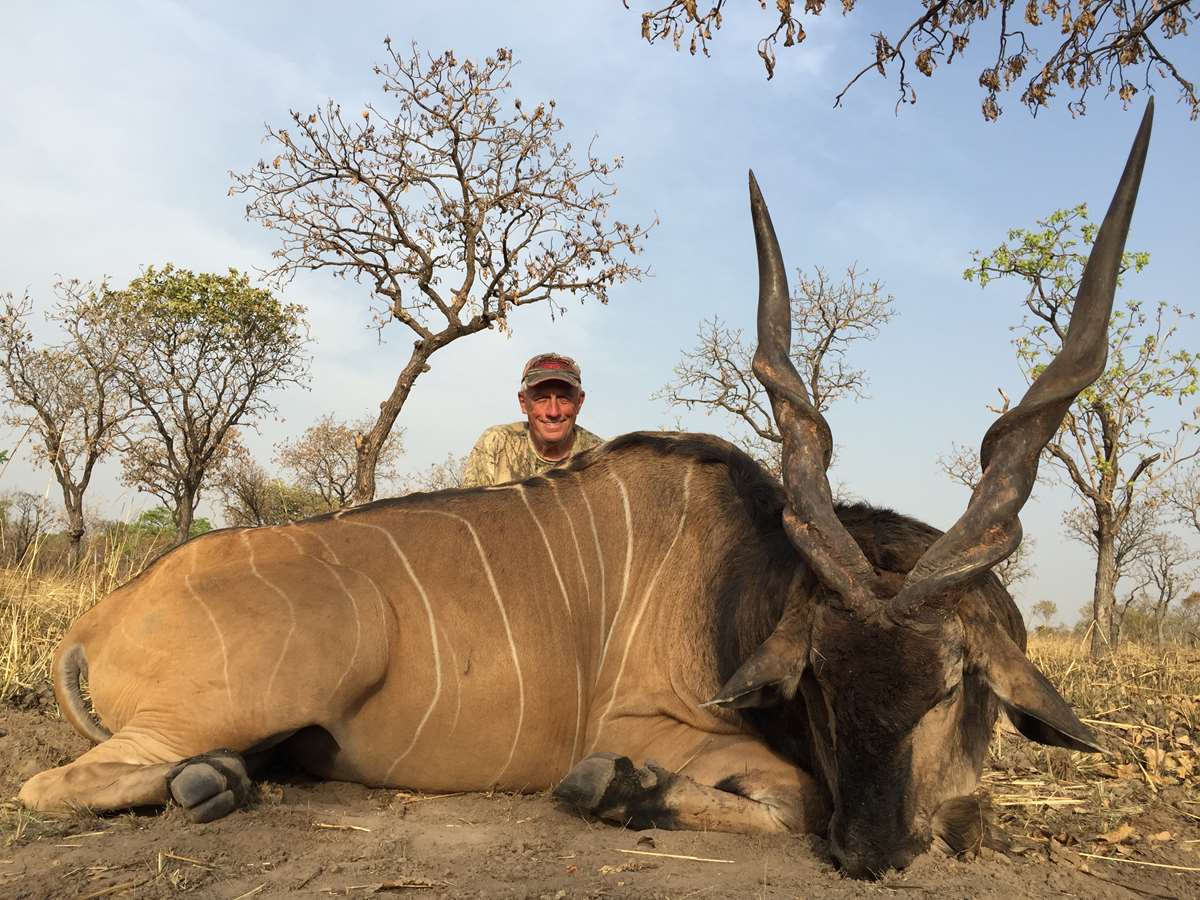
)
(306, 839)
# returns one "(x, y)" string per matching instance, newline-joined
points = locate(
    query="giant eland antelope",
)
(660, 630)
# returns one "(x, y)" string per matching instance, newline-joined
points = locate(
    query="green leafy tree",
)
(1041, 46)
(204, 351)
(160, 522)
(453, 201)
(1109, 450)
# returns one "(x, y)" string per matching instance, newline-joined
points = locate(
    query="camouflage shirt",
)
(506, 453)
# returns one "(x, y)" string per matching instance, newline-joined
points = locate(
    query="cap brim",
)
(535, 378)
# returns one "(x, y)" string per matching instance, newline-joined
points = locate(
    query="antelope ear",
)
(1034, 707)
(770, 676)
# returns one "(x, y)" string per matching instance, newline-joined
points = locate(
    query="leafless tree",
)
(1182, 495)
(203, 351)
(324, 459)
(1108, 451)
(1167, 575)
(24, 519)
(1045, 610)
(438, 477)
(1134, 544)
(453, 208)
(67, 393)
(1117, 44)
(251, 497)
(827, 318)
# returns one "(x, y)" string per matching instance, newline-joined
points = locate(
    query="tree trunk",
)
(368, 446)
(185, 509)
(1105, 626)
(75, 531)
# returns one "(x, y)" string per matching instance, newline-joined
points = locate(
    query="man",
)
(551, 396)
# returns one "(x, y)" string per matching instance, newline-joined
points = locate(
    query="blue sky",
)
(121, 123)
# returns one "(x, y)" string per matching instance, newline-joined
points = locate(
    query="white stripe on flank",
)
(625, 580)
(512, 645)
(546, 541)
(353, 605)
(291, 614)
(387, 639)
(187, 582)
(457, 681)
(437, 656)
(575, 539)
(573, 649)
(645, 602)
(600, 559)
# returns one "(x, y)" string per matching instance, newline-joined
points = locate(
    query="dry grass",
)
(1142, 797)
(37, 607)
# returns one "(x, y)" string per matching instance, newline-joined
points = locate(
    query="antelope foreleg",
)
(613, 788)
(121, 773)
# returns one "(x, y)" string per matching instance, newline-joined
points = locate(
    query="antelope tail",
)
(69, 667)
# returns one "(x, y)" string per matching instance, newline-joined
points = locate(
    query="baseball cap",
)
(551, 367)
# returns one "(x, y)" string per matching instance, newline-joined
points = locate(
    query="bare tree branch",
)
(1085, 43)
(452, 207)
(827, 318)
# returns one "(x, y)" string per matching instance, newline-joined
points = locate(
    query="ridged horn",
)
(989, 530)
(809, 518)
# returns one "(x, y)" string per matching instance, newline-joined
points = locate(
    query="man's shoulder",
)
(504, 433)
(585, 440)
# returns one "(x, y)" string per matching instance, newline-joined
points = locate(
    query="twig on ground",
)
(1139, 862)
(673, 856)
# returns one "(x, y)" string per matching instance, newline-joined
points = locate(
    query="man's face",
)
(551, 408)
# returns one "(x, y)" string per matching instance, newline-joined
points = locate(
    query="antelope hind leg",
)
(739, 795)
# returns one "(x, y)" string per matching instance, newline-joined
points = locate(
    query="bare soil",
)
(303, 838)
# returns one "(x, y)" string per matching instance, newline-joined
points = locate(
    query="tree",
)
(441, 476)
(1117, 44)
(203, 351)
(827, 318)
(24, 520)
(252, 498)
(1107, 445)
(159, 521)
(1045, 610)
(454, 210)
(324, 460)
(1167, 576)
(67, 393)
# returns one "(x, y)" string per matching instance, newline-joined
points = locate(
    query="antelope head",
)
(901, 673)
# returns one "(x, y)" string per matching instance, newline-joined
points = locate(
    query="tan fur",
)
(461, 641)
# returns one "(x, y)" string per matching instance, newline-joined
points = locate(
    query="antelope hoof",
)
(209, 786)
(611, 787)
